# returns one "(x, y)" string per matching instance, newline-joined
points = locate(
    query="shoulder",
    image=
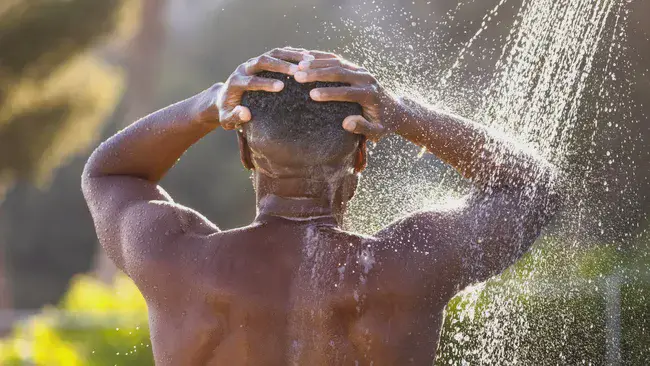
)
(432, 226)
(171, 266)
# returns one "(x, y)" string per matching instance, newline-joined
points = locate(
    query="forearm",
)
(476, 152)
(148, 148)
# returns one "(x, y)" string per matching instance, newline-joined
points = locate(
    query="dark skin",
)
(293, 287)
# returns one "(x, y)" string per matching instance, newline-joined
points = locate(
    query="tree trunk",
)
(143, 66)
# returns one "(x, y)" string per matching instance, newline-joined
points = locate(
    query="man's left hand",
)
(380, 109)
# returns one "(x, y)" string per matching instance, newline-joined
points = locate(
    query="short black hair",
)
(290, 117)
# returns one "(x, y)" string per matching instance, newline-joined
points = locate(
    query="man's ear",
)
(361, 159)
(245, 151)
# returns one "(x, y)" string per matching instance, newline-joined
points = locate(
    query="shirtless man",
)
(294, 288)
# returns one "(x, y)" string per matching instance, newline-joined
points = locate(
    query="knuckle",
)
(372, 89)
(243, 81)
(236, 80)
(264, 60)
(229, 83)
(248, 66)
(252, 63)
(242, 69)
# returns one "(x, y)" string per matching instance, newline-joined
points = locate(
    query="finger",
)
(332, 74)
(342, 94)
(330, 62)
(255, 83)
(290, 55)
(234, 118)
(322, 55)
(268, 63)
(295, 49)
(360, 126)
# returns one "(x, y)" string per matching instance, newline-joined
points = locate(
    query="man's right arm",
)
(137, 222)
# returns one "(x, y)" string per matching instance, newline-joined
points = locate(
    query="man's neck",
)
(299, 198)
(296, 208)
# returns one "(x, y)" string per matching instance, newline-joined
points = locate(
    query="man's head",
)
(292, 136)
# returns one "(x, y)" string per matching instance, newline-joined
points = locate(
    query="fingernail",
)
(241, 113)
(315, 94)
(350, 125)
(304, 64)
(300, 75)
(308, 57)
(278, 85)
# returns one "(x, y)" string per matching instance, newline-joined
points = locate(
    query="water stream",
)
(547, 81)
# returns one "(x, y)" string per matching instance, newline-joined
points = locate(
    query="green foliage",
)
(54, 94)
(95, 324)
(551, 308)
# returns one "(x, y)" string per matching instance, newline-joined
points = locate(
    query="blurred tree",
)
(54, 94)
(142, 68)
(95, 324)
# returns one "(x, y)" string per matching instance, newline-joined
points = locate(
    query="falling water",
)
(558, 57)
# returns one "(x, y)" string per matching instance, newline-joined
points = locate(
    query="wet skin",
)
(293, 287)
(283, 292)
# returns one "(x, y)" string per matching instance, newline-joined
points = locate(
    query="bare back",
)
(292, 292)
(284, 292)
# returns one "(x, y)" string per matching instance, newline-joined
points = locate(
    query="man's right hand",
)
(225, 107)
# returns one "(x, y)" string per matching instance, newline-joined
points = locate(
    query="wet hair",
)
(312, 131)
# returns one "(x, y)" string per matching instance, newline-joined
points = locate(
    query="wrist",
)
(399, 115)
(205, 110)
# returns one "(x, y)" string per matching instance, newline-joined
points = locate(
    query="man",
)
(293, 288)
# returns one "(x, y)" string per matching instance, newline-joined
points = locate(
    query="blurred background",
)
(74, 72)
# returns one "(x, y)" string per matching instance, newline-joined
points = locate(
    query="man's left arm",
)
(120, 183)
(514, 197)
(515, 193)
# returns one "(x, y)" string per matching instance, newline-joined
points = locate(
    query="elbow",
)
(97, 163)
(90, 174)
(86, 182)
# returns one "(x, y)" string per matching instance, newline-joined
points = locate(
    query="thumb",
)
(361, 126)
(233, 118)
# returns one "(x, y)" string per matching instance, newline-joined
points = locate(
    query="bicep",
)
(472, 239)
(495, 229)
(137, 222)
